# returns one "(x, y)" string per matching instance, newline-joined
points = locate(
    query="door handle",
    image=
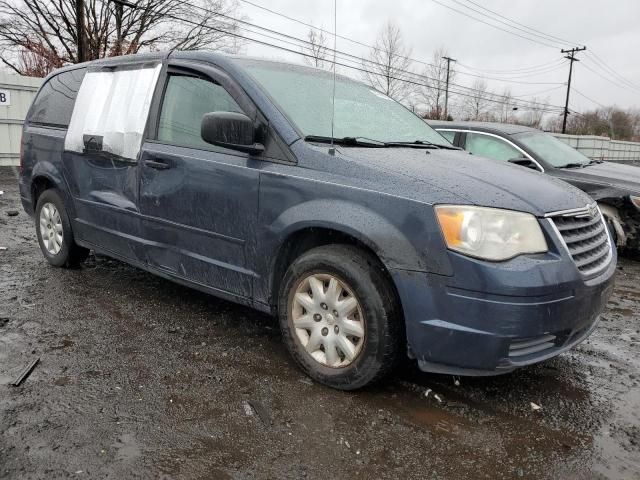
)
(157, 165)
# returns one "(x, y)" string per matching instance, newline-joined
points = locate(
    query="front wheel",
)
(339, 317)
(54, 232)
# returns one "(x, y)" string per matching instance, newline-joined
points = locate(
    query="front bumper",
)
(528, 310)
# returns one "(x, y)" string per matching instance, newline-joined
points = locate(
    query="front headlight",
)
(635, 201)
(490, 233)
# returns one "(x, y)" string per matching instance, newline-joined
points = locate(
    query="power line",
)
(493, 97)
(551, 37)
(319, 29)
(540, 92)
(549, 108)
(495, 72)
(503, 22)
(606, 68)
(299, 40)
(514, 78)
(588, 98)
(614, 82)
(301, 43)
(515, 71)
(495, 26)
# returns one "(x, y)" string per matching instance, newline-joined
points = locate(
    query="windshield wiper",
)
(370, 142)
(573, 165)
(353, 141)
(423, 144)
(595, 162)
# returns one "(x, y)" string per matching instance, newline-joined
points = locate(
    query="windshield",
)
(304, 96)
(551, 150)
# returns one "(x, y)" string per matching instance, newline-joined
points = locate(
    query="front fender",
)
(392, 246)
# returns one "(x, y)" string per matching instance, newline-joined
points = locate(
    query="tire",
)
(62, 253)
(357, 275)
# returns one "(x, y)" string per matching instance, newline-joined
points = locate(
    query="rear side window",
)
(186, 100)
(54, 104)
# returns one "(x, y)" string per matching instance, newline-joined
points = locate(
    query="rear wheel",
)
(54, 232)
(339, 317)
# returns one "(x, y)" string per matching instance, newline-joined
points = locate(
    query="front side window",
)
(186, 100)
(449, 135)
(54, 104)
(305, 96)
(490, 147)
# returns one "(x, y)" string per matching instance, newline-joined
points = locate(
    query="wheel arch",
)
(39, 184)
(46, 175)
(611, 213)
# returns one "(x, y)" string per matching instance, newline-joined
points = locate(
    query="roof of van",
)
(223, 60)
(503, 128)
(202, 55)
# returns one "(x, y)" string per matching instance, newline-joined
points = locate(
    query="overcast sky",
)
(609, 29)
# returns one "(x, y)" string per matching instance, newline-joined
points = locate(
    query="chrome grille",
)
(585, 235)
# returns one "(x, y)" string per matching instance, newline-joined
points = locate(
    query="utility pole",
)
(446, 91)
(571, 58)
(82, 45)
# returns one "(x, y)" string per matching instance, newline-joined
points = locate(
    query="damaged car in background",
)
(318, 199)
(614, 186)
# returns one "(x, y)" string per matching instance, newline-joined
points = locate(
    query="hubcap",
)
(51, 228)
(328, 320)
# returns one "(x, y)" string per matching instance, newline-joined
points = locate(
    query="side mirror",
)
(524, 162)
(230, 130)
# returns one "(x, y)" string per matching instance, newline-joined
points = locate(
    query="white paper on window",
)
(113, 105)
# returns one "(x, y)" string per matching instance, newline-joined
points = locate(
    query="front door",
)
(198, 202)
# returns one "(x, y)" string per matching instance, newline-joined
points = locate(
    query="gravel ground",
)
(141, 378)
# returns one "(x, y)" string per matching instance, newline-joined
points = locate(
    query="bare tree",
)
(45, 30)
(504, 107)
(433, 93)
(317, 50)
(37, 60)
(533, 116)
(611, 122)
(477, 103)
(388, 62)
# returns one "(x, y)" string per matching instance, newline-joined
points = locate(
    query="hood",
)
(444, 176)
(603, 179)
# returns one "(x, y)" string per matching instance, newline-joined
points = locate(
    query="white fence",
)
(16, 94)
(603, 148)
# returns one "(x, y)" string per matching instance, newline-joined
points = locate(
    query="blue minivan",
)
(344, 214)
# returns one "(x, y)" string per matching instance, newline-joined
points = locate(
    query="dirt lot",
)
(141, 378)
